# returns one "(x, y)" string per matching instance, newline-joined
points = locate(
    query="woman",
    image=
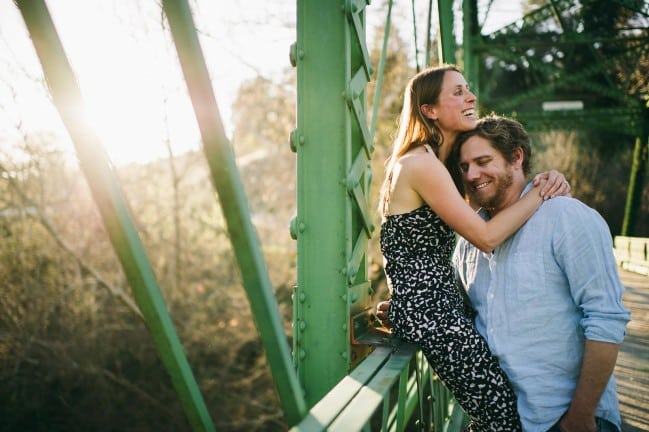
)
(421, 211)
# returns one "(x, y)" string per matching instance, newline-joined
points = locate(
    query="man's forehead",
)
(475, 147)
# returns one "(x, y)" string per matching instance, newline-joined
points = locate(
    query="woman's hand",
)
(382, 313)
(556, 184)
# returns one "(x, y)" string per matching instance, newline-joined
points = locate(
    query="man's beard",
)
(502, 182)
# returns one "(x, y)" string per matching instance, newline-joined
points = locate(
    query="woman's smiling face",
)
(455, 110)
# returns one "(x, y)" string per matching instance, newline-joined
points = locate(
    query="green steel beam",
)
(227, 182)
(627, 120)
(538, 15)
(415, 44)
(113, 208)
(446, 46)
(531, 40)
(333, 223)
(512, 42)
(320, 326)
(636, 183)
(381, 69)
(357, 23)
(634, 5)
(470, 35)
(584, 78)
(429, 31)
(549, 12)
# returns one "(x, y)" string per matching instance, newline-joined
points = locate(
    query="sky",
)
(128, 72)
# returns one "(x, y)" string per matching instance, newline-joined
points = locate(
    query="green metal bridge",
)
(343, 373)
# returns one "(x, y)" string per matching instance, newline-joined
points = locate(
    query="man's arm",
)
(596, 369)
(585, 252)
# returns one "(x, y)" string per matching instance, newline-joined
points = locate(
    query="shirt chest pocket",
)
(525, 276)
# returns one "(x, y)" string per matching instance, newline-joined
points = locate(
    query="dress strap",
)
(428, 148)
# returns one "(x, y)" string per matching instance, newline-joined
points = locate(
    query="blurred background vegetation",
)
(74, 352)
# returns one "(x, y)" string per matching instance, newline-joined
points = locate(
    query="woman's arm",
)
(432, 181)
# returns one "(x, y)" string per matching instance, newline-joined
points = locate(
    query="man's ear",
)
(518, 157)
(428, 111)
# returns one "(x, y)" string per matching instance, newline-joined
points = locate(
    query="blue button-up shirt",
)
(538, 295)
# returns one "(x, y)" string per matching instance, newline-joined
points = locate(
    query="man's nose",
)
(472, 172)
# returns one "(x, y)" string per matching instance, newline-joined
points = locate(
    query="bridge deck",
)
(632, 370)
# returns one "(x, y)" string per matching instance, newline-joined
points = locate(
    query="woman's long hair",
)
(414, 128)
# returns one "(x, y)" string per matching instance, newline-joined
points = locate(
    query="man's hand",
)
(382, 313)
(574, 423)
(596, 369)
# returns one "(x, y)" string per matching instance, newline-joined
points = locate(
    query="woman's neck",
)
(445, 147)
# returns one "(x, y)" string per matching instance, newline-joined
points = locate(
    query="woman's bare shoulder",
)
(418, 157)
(421, 163)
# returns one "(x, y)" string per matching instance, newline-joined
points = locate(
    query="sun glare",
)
(130, 82)
(135, 118)
(128, 71)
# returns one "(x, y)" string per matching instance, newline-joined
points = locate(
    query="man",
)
(549, 299)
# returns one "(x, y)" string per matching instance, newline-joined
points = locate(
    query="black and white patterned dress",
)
(427, 309)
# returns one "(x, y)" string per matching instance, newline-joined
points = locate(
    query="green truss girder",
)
(357, 189)
(554, 11)
(580, 78)
(355, 100)
(510, 44)
(354, 9)
(630, 120)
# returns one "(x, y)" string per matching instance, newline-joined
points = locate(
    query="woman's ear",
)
(428, 111)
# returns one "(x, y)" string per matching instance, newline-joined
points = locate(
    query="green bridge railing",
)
(393, 389)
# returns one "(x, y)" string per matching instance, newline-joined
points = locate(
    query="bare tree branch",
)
(47, 224)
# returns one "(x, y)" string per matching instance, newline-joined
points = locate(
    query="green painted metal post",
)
(320, 331)
(636, 183)
(471, 59)
(333, 223)
(227, 182)
(381, 69)
(446, 46)
(113, 208)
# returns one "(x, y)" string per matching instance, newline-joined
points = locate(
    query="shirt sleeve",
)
(583, 248)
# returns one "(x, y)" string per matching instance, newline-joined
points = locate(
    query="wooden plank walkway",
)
(632, 369)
